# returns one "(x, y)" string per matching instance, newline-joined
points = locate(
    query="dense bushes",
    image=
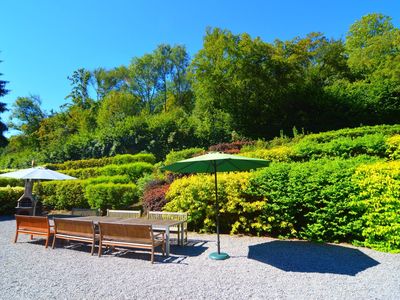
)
(84, 193)
(101, 162)
(10, 182)
(154, 197)
(8, 199)
(175, 156)
(353, 200)
(378, 202)
(393, 150)
(111, 196)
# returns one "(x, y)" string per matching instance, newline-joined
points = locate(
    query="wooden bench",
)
(75, 230)
(131, 236)
(33, 225)
(123, 213)
(177, 216)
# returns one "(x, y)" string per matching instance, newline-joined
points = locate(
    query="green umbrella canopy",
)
(216, 162)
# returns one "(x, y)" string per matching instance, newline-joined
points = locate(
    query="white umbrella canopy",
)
(37, 173)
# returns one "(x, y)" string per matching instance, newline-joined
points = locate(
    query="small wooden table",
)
(155, 224)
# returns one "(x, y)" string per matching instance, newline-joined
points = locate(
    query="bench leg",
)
(31, 236)
(91, 253)
(152, 255)
(100, 246)
(54, 242)
(16, 237)
(47, 241)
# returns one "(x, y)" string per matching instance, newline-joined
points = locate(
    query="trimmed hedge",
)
(111, 196)
(8, 199)
(101, 162)
(379, 204)
(10, 182)
(393, 149)
(109, 179)
(175, 156)
(132, 170)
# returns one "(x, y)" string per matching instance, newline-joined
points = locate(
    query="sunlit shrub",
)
(111, 196)
(8, 199)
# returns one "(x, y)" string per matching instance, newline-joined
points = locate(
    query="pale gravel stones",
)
(269, 269)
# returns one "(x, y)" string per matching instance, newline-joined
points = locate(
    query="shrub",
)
(101, 162)
(8, 199)
(129, 158)
(134, 170)
(231, 148)
(111, 196)
(393, 147)
(154, 198)
(278, 154)
(83, 173)
(10, 182)
(379, 203)
(109, 179)
(175, 156)
(62, 194)
(196, 195)
(310, 200)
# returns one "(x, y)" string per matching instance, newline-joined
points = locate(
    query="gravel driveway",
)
(259, 268)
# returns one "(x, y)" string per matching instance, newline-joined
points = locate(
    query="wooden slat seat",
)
(75, 230)
(33, 225)
(131, 236)
(177, 216)
(123, 213)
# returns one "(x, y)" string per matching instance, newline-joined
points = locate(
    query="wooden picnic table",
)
(163, 225)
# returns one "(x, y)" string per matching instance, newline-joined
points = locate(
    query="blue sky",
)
(43, 42)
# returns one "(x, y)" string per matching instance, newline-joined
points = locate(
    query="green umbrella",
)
(212, 163)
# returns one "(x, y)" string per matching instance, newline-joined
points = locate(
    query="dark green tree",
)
(3, 127)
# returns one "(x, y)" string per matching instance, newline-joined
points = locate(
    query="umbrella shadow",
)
(308, 257)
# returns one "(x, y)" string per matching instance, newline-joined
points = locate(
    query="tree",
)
(3, 127)
(26, 114)
(79, 95)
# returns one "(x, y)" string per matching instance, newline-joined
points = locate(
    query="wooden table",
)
(163, 225)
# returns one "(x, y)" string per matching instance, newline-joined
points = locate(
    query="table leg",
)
(167, 240)
(182, 234)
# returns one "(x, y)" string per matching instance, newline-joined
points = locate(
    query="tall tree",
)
(79, 95)
(3, 127)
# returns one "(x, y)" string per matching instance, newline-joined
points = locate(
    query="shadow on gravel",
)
(6, 218)
(308, 257)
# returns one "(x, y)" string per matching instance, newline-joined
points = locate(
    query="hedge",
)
(8, 199)
(10, 182)
(132, 170)
(109, 179)
(101, 162)
(111, 196)
(379, 203)
(393, 147)
(175, 156)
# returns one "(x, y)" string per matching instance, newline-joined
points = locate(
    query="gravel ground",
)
(259, 268)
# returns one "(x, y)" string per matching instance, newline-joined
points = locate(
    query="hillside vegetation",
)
(337, 186)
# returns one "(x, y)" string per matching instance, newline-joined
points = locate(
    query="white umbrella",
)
(37, 173)
(31, 174)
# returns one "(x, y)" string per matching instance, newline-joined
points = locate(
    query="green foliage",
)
(83, 173)
(121, 179)
(378, 202)
(134, 170)
(10, 182)
(111, 196)
(196, 195)
(62, 194)
(101, 162)
(393, 147)
(175, 156)
(8, 199)
(277, 154)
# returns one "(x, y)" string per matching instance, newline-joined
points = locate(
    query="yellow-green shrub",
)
(196, 195)
(279, 154)
(379, 203)
(8, 199)
(10, 182)
(393, 144)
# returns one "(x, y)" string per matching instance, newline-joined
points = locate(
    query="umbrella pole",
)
(217, 210)
(217, 255)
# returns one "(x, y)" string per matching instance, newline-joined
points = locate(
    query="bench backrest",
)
(123, 213)
(74, 227)
(84, 212)
(32, 223)
(165, 215)
(126, 232)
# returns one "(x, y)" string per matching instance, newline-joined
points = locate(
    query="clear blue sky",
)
(42, 42)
